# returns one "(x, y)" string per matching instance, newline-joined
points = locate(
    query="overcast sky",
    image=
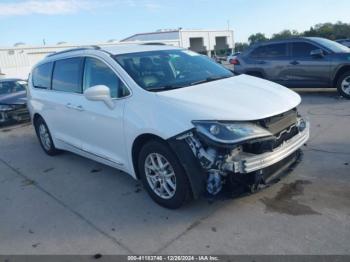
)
(89, 21)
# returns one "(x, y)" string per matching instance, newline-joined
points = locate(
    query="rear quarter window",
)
(42, 76)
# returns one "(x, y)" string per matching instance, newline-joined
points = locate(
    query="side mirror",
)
(99, 93)
(317, 53)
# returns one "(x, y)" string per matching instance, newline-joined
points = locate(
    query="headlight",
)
(230, 133)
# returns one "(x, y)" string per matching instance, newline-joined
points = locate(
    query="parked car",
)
(300, 62)
(221, 56)
(173, 118)
(232, 59)
(345, 42)
(13, 100)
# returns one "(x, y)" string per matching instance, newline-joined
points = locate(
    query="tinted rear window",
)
(42, 76)
(67, 75)
(270, 51)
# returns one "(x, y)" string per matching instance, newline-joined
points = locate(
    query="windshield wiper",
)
(171, 87)
(208, 79)
(164, 88)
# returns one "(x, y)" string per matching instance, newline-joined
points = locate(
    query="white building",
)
(208, 42)
(17, 61)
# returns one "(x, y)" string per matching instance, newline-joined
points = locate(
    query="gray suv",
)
(299, 62)
(345, 42)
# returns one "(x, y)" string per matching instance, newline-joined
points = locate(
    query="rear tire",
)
(343, 85)
(44, 136)
(162, 175)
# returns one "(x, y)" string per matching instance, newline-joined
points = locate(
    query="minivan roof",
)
(118, 49)
(135, 48)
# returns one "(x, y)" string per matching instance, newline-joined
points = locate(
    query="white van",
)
(175, 119)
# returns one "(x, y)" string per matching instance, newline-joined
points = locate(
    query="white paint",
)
(110, 132)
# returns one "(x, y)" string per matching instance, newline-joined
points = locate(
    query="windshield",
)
(332, 45)
(9, 87)
(170, 69)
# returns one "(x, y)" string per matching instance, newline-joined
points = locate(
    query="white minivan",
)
(172, 118)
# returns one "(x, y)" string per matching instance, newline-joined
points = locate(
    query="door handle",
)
(79, 108)
(294, 63)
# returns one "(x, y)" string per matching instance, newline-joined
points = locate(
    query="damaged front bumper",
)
(211, 166)
(14, 113)
(248, 163)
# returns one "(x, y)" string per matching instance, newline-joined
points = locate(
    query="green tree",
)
(285, 34)
(331, 31)
(258, 37)
(240, 47)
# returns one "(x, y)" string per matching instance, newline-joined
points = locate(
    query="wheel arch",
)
(36, 116)
(340, 71)
(137, 145)
(185, 156)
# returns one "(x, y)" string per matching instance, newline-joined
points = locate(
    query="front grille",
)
(285, 135)
(278, 123)
(282, 126)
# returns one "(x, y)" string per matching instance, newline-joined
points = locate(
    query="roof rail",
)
(91, 47)
(153, 43)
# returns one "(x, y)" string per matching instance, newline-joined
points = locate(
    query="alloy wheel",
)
(345, 85)
(160, 175)
(44, 136)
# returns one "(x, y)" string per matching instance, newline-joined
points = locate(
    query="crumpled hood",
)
(237, 98)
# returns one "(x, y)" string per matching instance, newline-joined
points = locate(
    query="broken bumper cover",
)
(17, 113)
(250, 163)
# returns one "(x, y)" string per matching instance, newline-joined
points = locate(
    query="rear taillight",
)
(234, 61)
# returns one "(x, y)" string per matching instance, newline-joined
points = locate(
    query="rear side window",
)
(302, 49)
(42, 76)
(270, 51)
(67, 75)
(98, 73)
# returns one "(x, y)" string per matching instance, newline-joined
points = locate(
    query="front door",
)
(305, 70)
(101, 126)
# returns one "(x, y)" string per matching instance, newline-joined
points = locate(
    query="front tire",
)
(343, 85)
(162, 175)
(44, 136)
